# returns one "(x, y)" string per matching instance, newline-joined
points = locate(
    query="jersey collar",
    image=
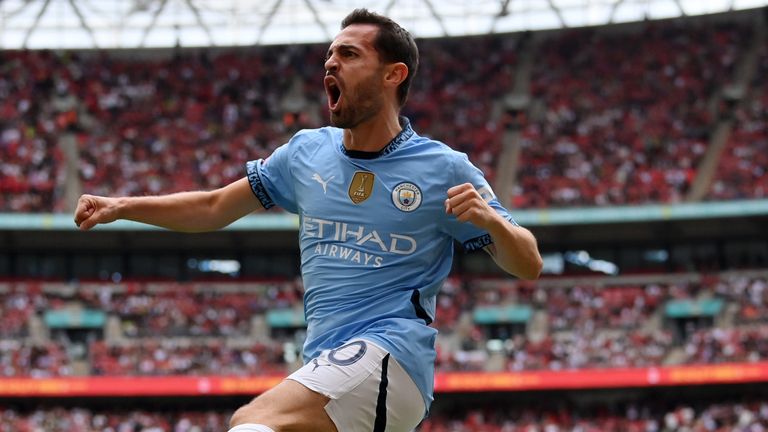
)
(404, 135)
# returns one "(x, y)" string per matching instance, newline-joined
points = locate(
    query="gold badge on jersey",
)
(361, 186)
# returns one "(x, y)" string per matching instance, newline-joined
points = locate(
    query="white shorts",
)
(368, 388)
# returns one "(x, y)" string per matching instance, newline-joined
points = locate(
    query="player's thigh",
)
(368, 389)
(387, 401)
(287, 407)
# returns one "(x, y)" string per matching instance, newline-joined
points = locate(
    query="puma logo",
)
(316, 177)
(317, 364)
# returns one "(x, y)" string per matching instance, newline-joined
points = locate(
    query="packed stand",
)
(164, 328)
(209, 328)
(751, 416)
(584, 350)
(148, 309)
(83, 419)
(590, 306)
(19, 356)
(589, 324)
(18, 302)
(749, 293)
(153, 357)
(161, 357)
(192, 121)
(34, 110)
(721, 416)
(742, 172)
(618, 129)
(189, 309)
(36, 361)
(734, 345)
(452, 101)
(615, 129)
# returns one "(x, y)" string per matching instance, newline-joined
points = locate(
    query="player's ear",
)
(395, 74)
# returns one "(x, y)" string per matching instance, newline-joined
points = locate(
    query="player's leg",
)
(387, 401)
(367, 388)
(287, 407)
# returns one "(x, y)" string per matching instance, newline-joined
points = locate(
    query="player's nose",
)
(331, 65)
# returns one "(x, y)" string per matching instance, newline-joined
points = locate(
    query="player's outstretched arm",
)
(514, 248)
(184, 211)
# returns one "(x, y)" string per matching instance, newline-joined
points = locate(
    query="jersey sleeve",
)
(471, 237)
(271, 180)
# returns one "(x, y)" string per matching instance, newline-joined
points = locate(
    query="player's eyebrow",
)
(340, 47)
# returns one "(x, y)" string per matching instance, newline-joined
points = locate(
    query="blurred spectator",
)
(605, 128)
(158, 357)
(742, 172)
(617, 129)
(31, 172)
(694, 416)
(172, 328)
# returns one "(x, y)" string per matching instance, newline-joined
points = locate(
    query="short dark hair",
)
(393, 43)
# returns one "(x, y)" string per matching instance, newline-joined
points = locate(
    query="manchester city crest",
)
(406, 196)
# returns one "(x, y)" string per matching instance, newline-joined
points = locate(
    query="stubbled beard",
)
(365, 103)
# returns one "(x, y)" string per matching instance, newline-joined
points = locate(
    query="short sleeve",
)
(471, 237)
(271, 180)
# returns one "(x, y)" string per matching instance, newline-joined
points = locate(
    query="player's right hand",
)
(92, 210)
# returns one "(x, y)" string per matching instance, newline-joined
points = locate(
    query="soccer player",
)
(380, 207)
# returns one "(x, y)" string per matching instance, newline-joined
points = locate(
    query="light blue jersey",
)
(376, 243)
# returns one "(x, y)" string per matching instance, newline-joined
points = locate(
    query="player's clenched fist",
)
(466, 203)
(92, 210)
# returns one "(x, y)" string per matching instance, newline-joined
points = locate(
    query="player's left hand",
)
(466, 203)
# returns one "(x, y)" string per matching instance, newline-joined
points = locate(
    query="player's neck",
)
(373, 135)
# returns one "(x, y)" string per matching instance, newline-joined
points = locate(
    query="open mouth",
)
(333, 91)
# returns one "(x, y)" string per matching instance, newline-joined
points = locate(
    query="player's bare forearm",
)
(184, 211)
(514, 248)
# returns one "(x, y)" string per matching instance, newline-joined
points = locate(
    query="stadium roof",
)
(162, 23)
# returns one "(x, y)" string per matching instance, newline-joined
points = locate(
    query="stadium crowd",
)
(602, 128)
(31, 172)
(62, 419)
(191, 120)
(617, 129)
(188, 122)
(717, 345)
(589, 349)
(743, 169)
(203, 328)
(750, 294)
(15, 310)
(182, 312)
(588, 324)
(156, 357)
(452, 101)
(723, 416)
(40, 361)
(716, 417)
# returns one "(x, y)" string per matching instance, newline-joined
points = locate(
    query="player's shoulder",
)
(315, 136)
(440, 150)
(309, 143)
